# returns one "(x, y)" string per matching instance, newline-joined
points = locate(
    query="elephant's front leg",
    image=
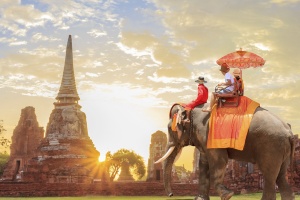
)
(203, 178)
(217, 159)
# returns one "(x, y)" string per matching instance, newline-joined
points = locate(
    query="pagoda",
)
(66, 154)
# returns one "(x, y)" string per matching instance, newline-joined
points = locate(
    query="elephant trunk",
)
(167, 171)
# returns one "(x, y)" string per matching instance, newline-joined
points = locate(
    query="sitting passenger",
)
(202, 97)
(229, 86)
(237, 73)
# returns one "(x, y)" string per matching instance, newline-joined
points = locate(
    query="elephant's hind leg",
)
(270, 172)
(217, 167)
(283, 186)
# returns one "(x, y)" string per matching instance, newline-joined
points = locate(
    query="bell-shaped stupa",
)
(66, 154)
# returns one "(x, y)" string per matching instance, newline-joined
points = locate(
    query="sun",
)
(101, 158)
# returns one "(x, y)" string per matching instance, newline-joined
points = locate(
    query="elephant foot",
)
(202, 197)
(288, 196)
(227, 195)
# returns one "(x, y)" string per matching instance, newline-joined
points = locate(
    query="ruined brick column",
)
(24, 142)
(157, 149)
(66, 154)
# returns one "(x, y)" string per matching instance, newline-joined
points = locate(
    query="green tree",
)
(4, 142)
(3, 160)
(114, 163)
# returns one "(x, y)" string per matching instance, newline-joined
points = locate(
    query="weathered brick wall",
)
(15, 189)
(76, 189)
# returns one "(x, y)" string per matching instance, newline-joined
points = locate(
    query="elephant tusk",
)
(166, 155)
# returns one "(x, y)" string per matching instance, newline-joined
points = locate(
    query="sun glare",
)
(114, 124)
(101, 158)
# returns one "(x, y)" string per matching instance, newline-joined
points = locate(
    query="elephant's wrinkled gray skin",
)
(269, 144)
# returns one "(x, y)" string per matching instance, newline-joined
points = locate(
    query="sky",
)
(134, 58)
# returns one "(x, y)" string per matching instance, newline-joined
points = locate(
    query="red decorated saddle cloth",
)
(228, 126)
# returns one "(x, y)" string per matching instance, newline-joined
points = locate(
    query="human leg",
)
(211, 104)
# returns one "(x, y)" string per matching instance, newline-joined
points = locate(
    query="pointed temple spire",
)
(67, 94)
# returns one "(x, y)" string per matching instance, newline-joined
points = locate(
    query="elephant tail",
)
(293, 145)
(292, 140)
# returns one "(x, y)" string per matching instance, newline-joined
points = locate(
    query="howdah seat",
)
(229, 99)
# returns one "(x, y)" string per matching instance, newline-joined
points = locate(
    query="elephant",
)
(269, 143)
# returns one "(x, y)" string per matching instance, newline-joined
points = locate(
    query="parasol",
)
(242, 59)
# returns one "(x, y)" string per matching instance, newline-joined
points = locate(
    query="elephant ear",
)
(178, 115)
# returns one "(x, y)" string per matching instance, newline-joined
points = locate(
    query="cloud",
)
(164, 54)
(5, 3)
(41, 62)
(26, 15)
(8, 40)
(284, 1)
(130, 94)
(40, 37)
(29, 85)
(92, 74)
(133, 51)
(97, 33)
(12, 29)
(18, 43)
(166, 80)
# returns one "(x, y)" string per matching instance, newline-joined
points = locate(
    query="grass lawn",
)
(235, 197)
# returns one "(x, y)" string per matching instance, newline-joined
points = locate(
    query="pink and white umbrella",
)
(242, 59)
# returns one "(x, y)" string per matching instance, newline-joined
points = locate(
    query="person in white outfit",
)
(228, 86)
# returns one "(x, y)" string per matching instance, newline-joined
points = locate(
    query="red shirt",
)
(201, 98)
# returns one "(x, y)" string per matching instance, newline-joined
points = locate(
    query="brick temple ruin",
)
(156, 151)
(25, 140)
(66, 154)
